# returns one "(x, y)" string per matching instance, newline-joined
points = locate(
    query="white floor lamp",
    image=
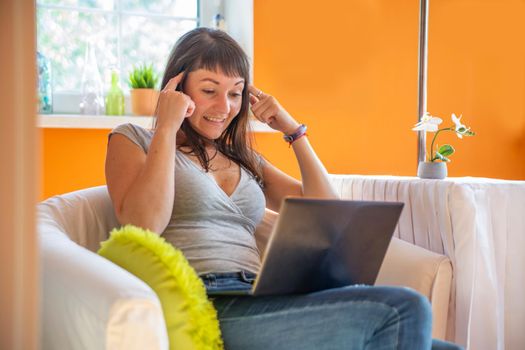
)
(422, 83)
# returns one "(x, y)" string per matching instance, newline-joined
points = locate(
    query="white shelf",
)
(76, 121)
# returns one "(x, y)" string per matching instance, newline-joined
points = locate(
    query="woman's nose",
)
(223, 104)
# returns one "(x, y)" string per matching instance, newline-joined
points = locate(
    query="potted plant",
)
(142, 80)
(435, 167)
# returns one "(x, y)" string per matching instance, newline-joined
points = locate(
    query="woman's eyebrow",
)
(216, 82)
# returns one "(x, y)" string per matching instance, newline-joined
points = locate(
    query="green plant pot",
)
(432, 170)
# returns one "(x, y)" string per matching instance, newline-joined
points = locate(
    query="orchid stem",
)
(434, 139)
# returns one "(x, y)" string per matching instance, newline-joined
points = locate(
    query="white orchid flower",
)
(431, 124)
(428, 123)
(460, 128)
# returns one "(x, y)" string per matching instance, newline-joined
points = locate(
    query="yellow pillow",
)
(190, 317)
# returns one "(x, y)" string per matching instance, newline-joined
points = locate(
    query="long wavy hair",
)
(211, 49)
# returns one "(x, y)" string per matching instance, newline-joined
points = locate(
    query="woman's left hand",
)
(267, 109)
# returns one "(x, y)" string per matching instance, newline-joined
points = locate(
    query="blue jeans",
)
(353, 317)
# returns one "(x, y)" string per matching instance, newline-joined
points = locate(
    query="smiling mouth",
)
(214, 120)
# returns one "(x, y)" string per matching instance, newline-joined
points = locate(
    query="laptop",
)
(319, 244)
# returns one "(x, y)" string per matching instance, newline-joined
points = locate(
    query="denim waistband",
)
(244, 276)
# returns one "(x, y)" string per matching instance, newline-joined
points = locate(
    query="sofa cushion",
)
(191, 319)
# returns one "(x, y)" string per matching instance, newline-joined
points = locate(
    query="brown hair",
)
(211, 49)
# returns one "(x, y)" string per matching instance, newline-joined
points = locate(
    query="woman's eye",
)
(236, 94)
(209, 92)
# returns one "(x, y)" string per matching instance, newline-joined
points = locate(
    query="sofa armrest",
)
(427, 272)
(88, 302)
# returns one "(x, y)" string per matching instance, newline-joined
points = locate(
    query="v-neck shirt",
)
(214, 230)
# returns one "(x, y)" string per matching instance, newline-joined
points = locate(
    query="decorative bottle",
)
(115, 97)
(92, 101)
(45, 97)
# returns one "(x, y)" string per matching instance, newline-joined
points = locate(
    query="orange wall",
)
(349, 71)
(72, 159)
(477, 67)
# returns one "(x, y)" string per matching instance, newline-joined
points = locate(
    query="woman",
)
(196, 180)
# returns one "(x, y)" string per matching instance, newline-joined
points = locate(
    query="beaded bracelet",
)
(300, 132)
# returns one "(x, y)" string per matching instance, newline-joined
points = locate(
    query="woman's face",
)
(218, 99)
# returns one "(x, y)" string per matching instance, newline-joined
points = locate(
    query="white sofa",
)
(90, 303)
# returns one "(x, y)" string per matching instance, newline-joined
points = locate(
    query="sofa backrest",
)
(86, 216)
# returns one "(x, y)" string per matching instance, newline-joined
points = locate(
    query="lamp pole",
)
(422, 73)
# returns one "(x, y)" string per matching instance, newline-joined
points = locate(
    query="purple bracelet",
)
(301, 131)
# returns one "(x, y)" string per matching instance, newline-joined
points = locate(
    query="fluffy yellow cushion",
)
(190, 317)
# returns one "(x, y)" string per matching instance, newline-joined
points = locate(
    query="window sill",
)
(76, 121)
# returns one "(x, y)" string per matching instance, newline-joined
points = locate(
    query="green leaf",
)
(142, 83)
(136, 77)
(446, 150)
(143, 77)
(441, 157)
(132, 82)
(147, 75)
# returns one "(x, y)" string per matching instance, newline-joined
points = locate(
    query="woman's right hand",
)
(174, 106)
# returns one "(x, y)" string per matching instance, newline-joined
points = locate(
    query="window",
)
(123, 33)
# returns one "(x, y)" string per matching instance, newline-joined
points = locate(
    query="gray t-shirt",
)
(213, 230)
